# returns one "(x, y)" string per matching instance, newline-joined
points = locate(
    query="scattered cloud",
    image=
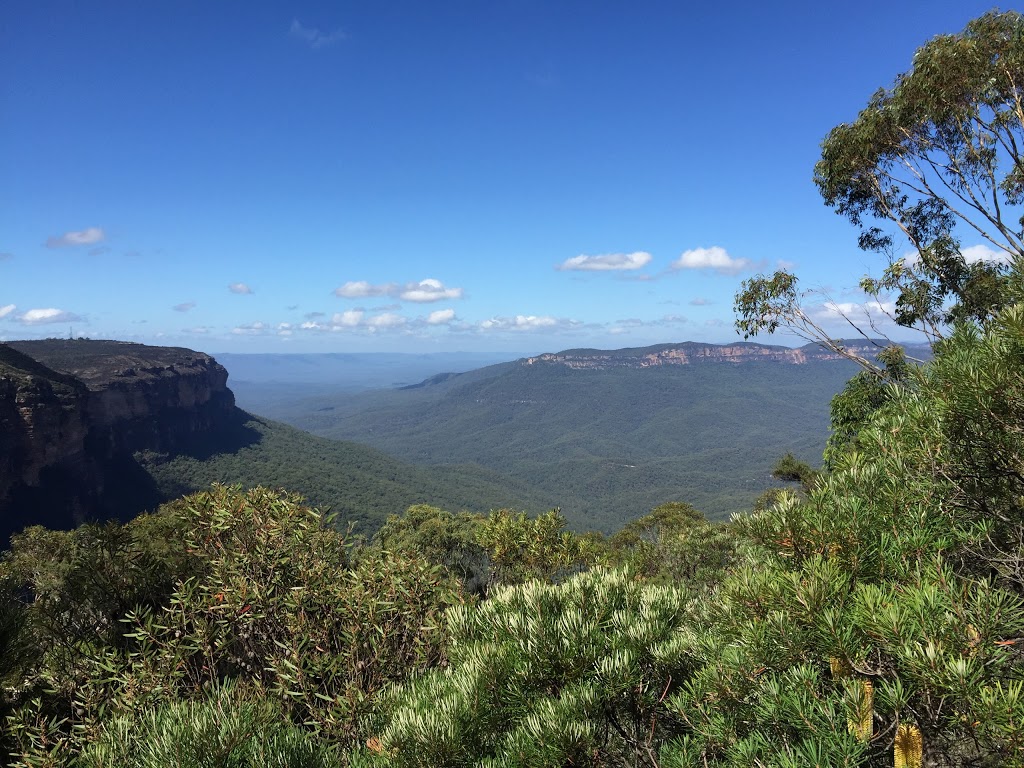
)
(200, 329)
(424, 291)
(348, 319)
(314, 315)
(313, 37)
(184, 307)
(872, 309)
(7, 309)
(441, 317)
(81, 237)
(606, 262)
(975, 253)
(251, 329)
(699, 302)
(239, 288)
(99, 250)
(525, 323)
(429, 290)
(386, 320)
(359, 289)
(713, 259)
(44, 316)
(785, 264)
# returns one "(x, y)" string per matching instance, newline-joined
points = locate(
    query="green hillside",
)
(360, 484)
(605, 445)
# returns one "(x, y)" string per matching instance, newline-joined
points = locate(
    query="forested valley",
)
(868, 613)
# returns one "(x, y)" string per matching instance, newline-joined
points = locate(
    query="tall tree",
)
(935, 156)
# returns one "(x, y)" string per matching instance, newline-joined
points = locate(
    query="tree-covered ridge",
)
(707, 434)
(360, 485)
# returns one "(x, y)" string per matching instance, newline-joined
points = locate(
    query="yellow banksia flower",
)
(840, 667)
(860, 722)
(908, 751)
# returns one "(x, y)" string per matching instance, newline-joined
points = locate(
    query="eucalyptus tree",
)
(930, 162)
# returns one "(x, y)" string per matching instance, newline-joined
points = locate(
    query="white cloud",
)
(785, 264)
(81, 237)
(386, 320)
(715, 259)
(360, 289)
(241, 288)
(44, 316)
(424, 291)
(837, 310)
(607, 261)
(185, 307)
(699, 302)
(7, 309)
(200, 329)
(309, 325)
(313, 37)
(975, 253)
(441, 316)
(251, 329)
(523, 323)
(348, 319)
(429, 290)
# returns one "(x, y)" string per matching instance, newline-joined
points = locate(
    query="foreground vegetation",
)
(881, 609)
(873, 615)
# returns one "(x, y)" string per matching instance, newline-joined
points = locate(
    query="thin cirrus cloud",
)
(88, 236)
(45, 316)
(423, 292)
(184, 307)
(714, 259)
(240, 288)
(313, 37)
(606, 262)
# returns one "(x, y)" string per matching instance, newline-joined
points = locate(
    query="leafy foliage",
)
(941, 148)
(222, 730)
(273, 599)
(546, 675)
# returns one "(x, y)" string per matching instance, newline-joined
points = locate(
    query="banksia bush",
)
(908, 749)
(860, 721)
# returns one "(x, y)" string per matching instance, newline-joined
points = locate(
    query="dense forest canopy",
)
(872, 616)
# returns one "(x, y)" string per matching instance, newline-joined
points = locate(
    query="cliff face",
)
(695, 353)
(72, 413)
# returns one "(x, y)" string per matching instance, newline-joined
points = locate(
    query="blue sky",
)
(513, 177)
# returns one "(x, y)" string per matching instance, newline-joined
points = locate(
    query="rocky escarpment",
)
(696, 353)
(73, 413)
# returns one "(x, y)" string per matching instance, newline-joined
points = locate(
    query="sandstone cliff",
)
(696, 353)
(72, 413)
